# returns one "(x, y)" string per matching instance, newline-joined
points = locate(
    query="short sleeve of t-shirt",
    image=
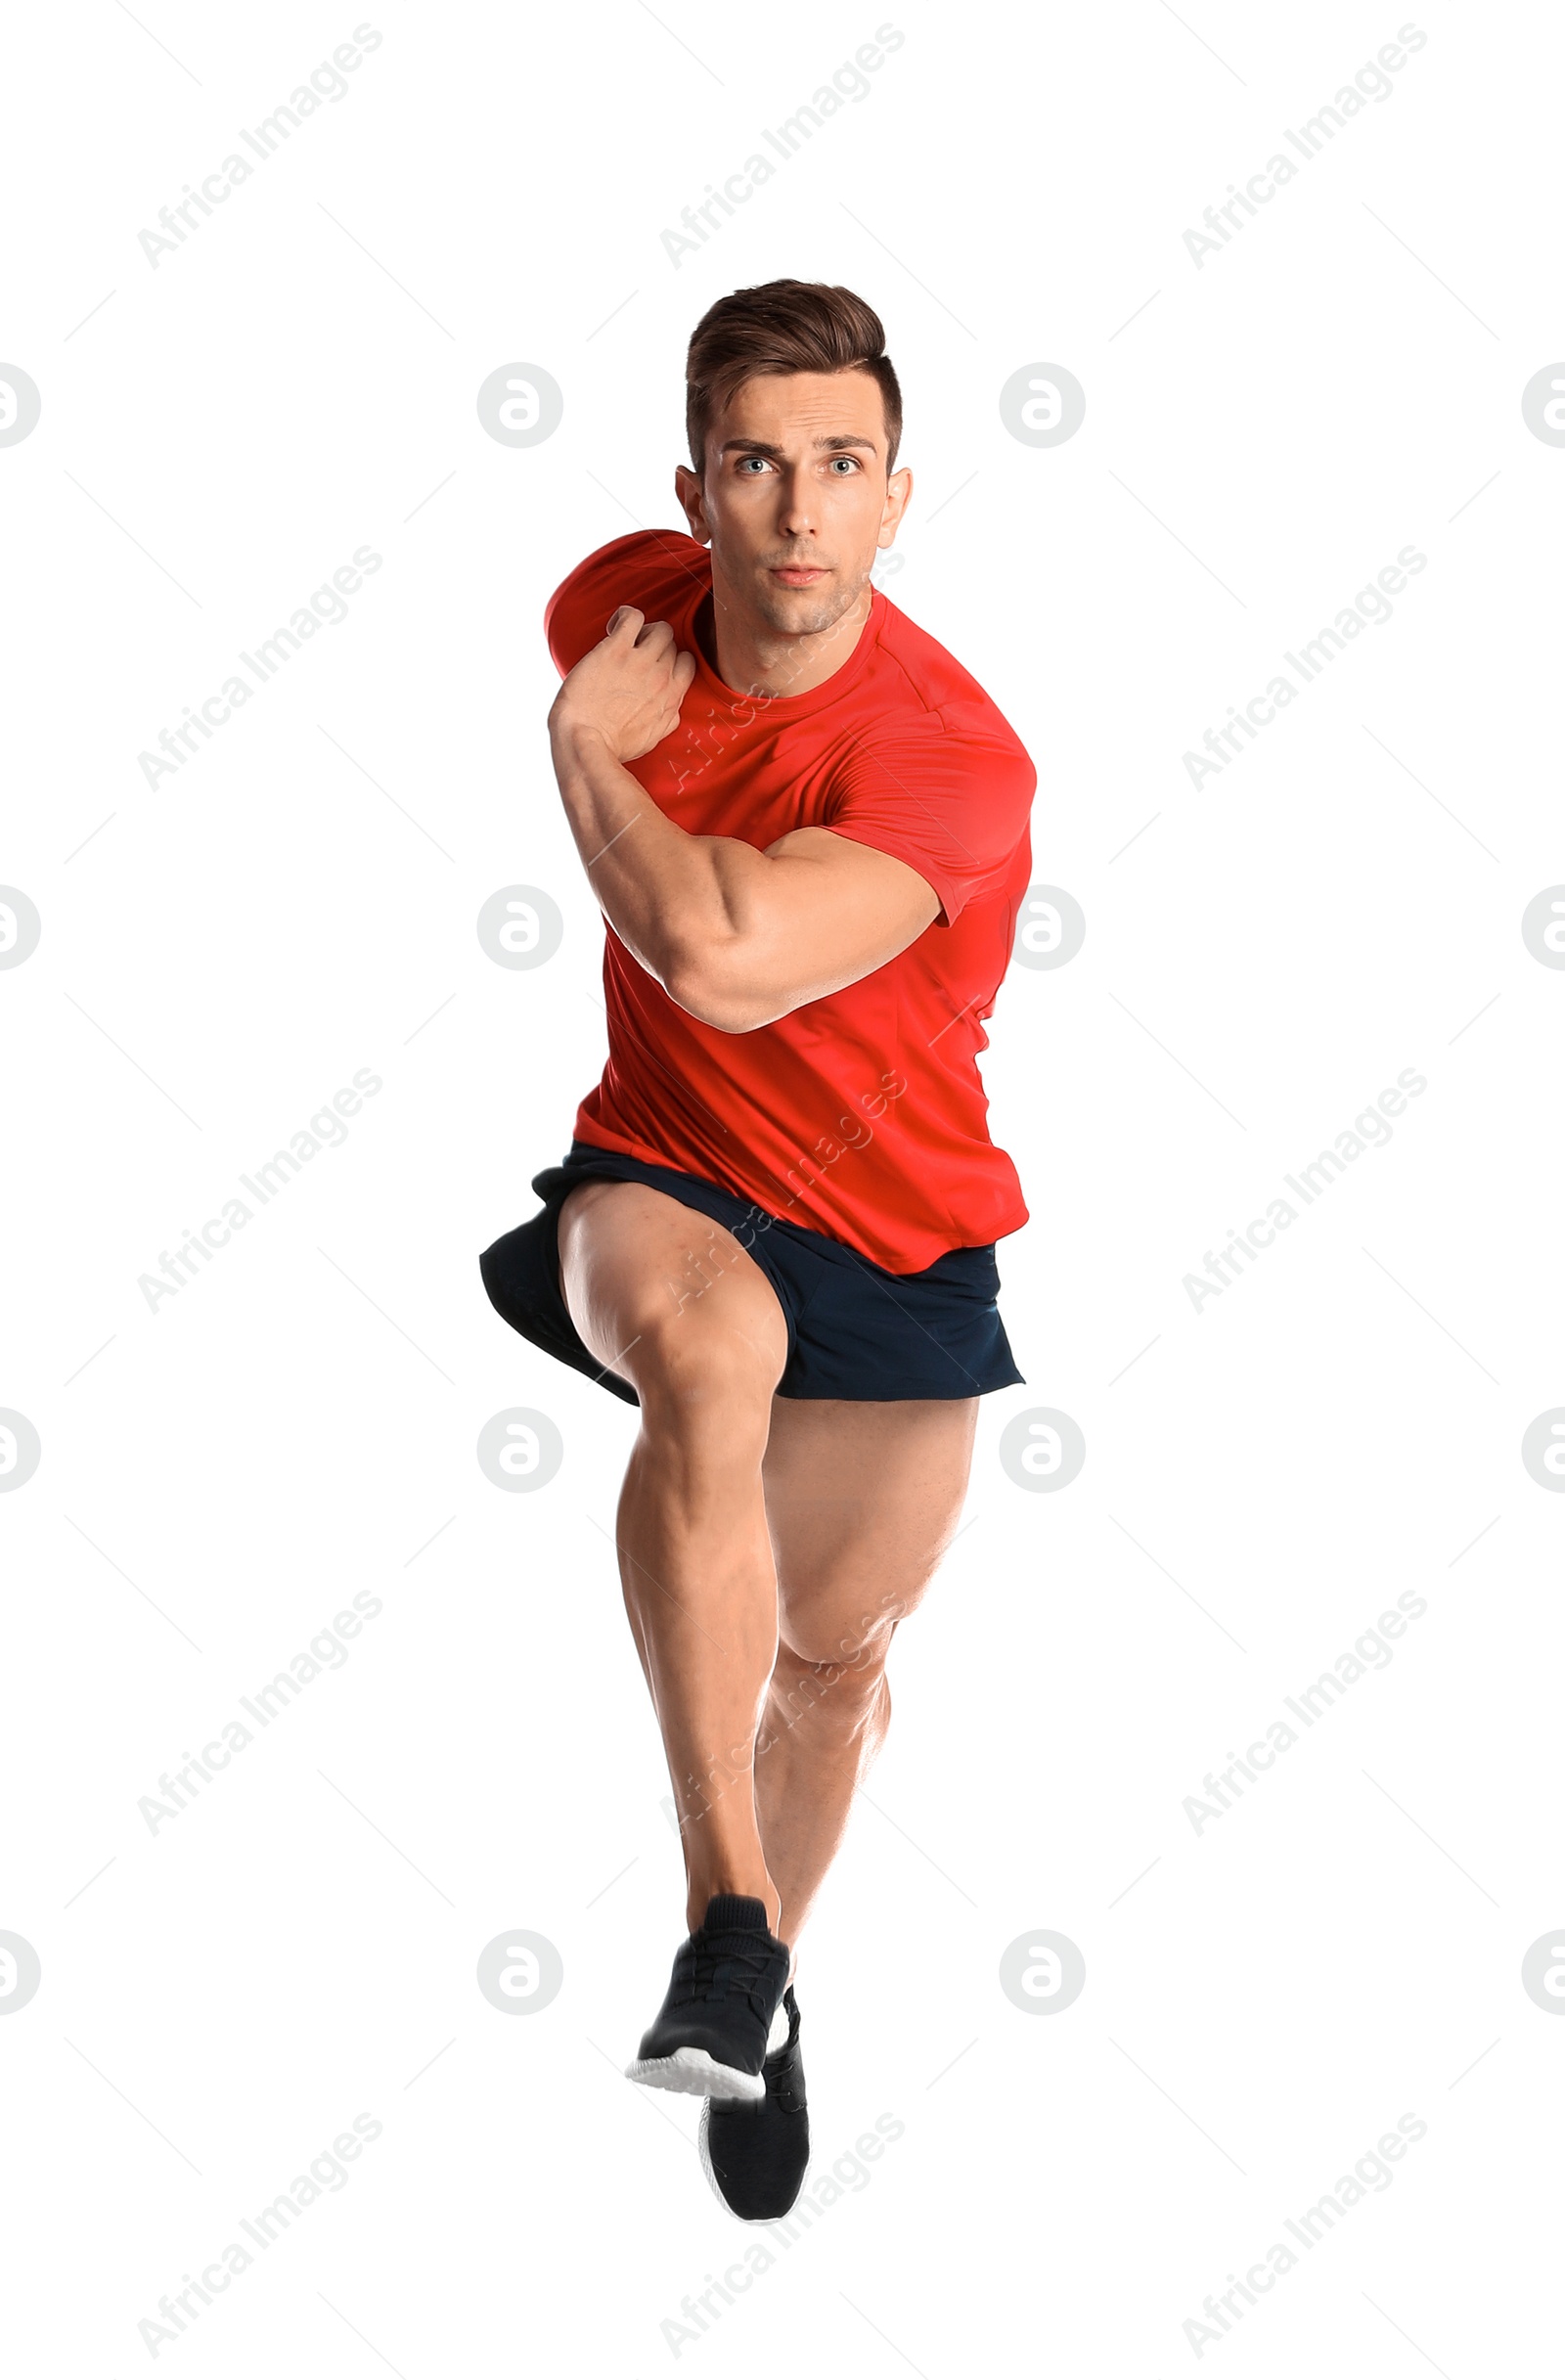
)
(646, 570)
(948, 793)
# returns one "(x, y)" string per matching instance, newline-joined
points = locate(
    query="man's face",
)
(794, 501)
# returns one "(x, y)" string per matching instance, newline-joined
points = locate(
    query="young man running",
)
(807, 827)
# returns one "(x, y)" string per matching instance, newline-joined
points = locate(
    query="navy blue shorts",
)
(854, 1330)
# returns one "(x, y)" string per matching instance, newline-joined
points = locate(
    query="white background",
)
(218, 956)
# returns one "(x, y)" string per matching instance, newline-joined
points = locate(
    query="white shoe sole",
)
(697, 2073)
(706, 2154)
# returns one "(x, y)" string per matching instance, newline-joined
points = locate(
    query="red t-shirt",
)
(862, 1115)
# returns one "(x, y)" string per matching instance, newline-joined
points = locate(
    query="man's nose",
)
(795, 512)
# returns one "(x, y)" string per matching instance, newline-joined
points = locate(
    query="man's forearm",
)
(670, 896)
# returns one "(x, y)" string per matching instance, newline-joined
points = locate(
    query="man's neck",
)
(755, 659)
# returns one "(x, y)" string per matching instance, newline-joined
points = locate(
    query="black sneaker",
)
(709, 2036)
(754, 2156)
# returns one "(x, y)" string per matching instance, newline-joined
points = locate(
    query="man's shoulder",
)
(660, 571)
(925, 696)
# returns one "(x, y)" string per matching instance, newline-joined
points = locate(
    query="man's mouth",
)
(798, 574)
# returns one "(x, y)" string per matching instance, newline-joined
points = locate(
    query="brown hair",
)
(783, 326)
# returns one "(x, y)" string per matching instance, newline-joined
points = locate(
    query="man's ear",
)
(897, 493)
(688, 487)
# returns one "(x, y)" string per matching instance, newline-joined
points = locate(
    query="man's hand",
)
(737, 936)
(627, 691)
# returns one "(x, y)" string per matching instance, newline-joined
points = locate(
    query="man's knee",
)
(690, 1352)
(704, 1376)
(846, 1691)
(829, 1623)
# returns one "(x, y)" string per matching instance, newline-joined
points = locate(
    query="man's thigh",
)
(862, 1500)
(656, 1290)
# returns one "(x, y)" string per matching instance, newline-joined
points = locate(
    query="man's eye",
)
(758, 459)
(851, 460)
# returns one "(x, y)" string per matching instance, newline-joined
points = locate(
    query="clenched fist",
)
(628, 690)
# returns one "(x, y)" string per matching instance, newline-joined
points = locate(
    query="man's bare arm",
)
(737, 936)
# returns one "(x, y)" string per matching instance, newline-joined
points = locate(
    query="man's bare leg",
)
(768, 1545)
(862, 1500)
(704, 1344)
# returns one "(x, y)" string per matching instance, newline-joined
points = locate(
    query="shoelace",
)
(721, 1967)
